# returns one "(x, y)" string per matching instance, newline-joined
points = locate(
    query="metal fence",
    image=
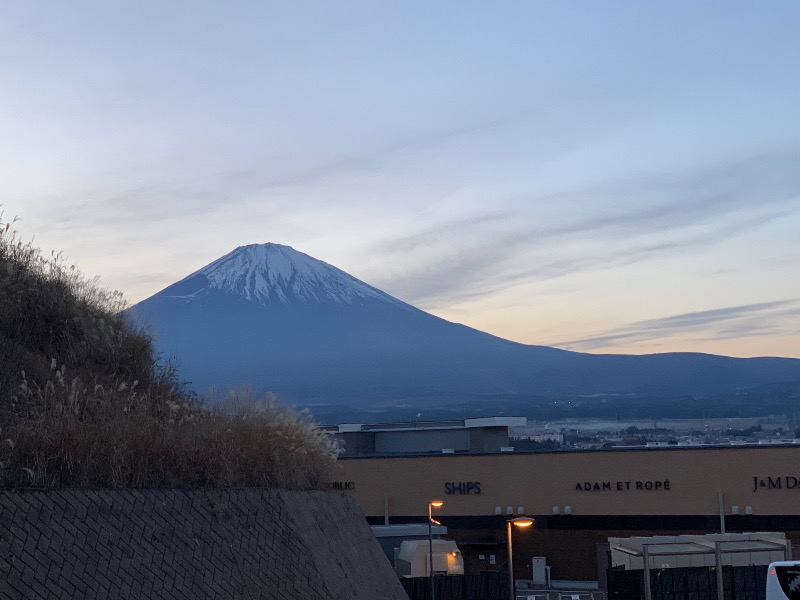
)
(690, 583)
(485, 586)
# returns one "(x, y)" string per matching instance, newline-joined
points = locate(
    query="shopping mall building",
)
(579, 499)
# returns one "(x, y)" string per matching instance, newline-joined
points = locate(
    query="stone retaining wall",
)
(189, 544)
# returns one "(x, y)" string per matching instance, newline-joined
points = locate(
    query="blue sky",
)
(608, 177)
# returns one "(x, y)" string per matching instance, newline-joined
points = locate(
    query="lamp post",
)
(522, 523)
(431, 505)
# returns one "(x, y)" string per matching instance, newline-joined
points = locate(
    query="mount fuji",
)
(276, 319)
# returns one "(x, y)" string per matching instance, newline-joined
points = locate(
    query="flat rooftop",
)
(429, 425)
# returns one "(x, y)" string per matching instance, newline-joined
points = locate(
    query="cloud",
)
(443, 231)
(181, 187)
(620, 223)
(765, 318)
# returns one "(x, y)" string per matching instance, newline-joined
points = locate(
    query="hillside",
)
(84, 402)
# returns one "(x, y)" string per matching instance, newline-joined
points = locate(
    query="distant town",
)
(590, 434)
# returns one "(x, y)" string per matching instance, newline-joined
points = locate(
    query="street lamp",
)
(522, 523)
(431, 505)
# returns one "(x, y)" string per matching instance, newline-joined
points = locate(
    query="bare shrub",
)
(48, 309)
(121, 438)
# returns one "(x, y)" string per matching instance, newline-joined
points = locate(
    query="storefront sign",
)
(342, 486)
(464, 488)
(622, 486)
(786, 482)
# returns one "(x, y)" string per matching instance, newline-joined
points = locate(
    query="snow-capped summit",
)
(276, 319)
(273, 273)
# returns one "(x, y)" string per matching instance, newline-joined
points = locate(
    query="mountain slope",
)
(277, 319)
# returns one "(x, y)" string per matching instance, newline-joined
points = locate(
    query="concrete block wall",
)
(174, 544)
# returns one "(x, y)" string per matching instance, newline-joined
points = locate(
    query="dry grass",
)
(83, 402)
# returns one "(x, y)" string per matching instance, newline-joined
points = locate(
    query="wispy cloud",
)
(235, 181)
(765, 318)
(622, 223)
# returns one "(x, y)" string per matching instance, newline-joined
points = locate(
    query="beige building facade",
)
(579, 499)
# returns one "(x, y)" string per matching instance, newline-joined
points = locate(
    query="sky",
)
(604, 177)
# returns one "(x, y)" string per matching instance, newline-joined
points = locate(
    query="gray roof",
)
(429, 425)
